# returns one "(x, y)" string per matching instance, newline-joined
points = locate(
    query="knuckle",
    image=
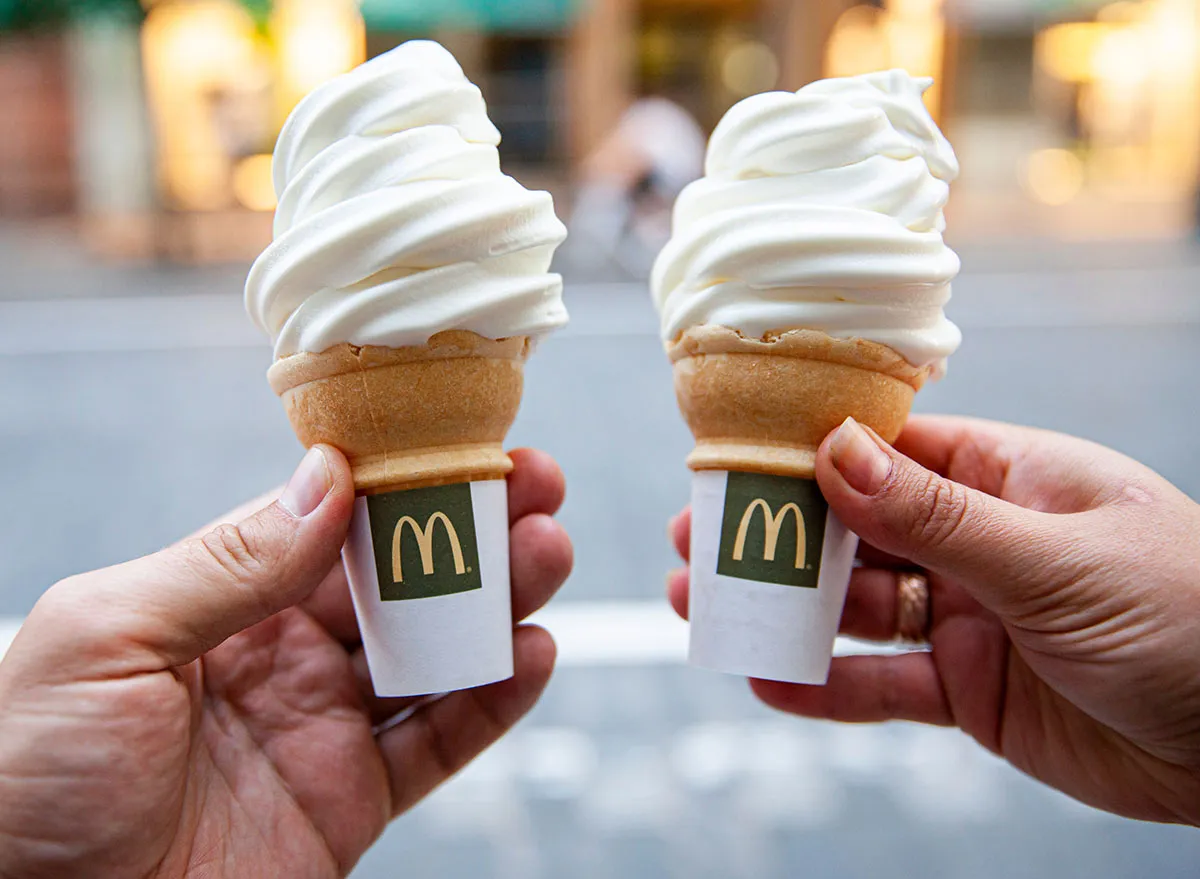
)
(234, 553)
(940, 513)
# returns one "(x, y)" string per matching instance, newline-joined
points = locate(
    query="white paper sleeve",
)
(429, 575)
(762, 603)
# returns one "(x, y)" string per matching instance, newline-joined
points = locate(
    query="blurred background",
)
(135, 143)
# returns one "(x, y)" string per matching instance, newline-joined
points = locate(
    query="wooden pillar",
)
(114, 155)
(601, 58)
(469, 48)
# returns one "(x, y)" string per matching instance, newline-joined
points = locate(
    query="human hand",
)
(207, 710)
(1065, 582)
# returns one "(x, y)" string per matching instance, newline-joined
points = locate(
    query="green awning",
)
(418, 16)
(414, 16)
(23, 14)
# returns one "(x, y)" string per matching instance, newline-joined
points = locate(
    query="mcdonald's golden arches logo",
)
(425, 545)
(425, 542)
(774, 523)
(786, 550)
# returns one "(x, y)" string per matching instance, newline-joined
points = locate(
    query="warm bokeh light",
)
(219, 86)
(252, 185)
(915, 8)
(749, 67)
(1053, 176)
(1122, 57)
(1135, 71)
(315, 41)
(202, 60)
(858, 44)
(1068, 51)
(909, 34)
(1121, 12)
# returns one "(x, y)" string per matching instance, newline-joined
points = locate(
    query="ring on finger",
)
(913, 610)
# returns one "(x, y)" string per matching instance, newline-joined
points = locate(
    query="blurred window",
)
(520, 79)
(996, 75)
(521, 89)
(703, 56)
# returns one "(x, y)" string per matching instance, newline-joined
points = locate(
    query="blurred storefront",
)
(220, 78)
(35, 112)
(154, 120)
(1091, 109)
(1073, 118)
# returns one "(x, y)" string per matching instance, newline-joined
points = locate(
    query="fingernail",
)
(308, 485)
(859, 458)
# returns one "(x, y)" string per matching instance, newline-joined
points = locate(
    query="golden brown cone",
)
(432, 414)
(766, 405)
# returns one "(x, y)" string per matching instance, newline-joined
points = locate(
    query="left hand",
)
(206, 711)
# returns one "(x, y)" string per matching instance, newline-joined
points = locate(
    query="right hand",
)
(1065, 593)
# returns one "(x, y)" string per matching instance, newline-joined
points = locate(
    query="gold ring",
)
(913, 617)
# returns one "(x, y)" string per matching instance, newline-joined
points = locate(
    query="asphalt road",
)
(130, 418)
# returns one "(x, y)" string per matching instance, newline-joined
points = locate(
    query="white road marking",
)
(143, 323)
(634, 633)
(984, 301)
(599, 634)
(615, 633)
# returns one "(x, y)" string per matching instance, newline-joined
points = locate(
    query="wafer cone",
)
(765, 405)
(434, 414)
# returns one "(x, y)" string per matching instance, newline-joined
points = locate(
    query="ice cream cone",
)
(422, 427)
(427, 415)
(765, 405)
(804, 283)
(405, 286)
(759, 409)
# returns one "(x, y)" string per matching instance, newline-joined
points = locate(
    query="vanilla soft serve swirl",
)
(819, 209)
(394, 220)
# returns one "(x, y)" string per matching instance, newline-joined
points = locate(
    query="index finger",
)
(933, 441)
(536, 485)
(680, 531)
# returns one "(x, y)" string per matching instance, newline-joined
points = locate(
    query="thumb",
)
(172, 607)
(906, 510)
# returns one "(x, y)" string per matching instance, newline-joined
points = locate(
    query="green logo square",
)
(425, 542)
(773, 530)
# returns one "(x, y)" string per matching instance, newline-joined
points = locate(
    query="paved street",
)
(131, 418)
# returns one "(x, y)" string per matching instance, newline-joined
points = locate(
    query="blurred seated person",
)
(628, 187)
